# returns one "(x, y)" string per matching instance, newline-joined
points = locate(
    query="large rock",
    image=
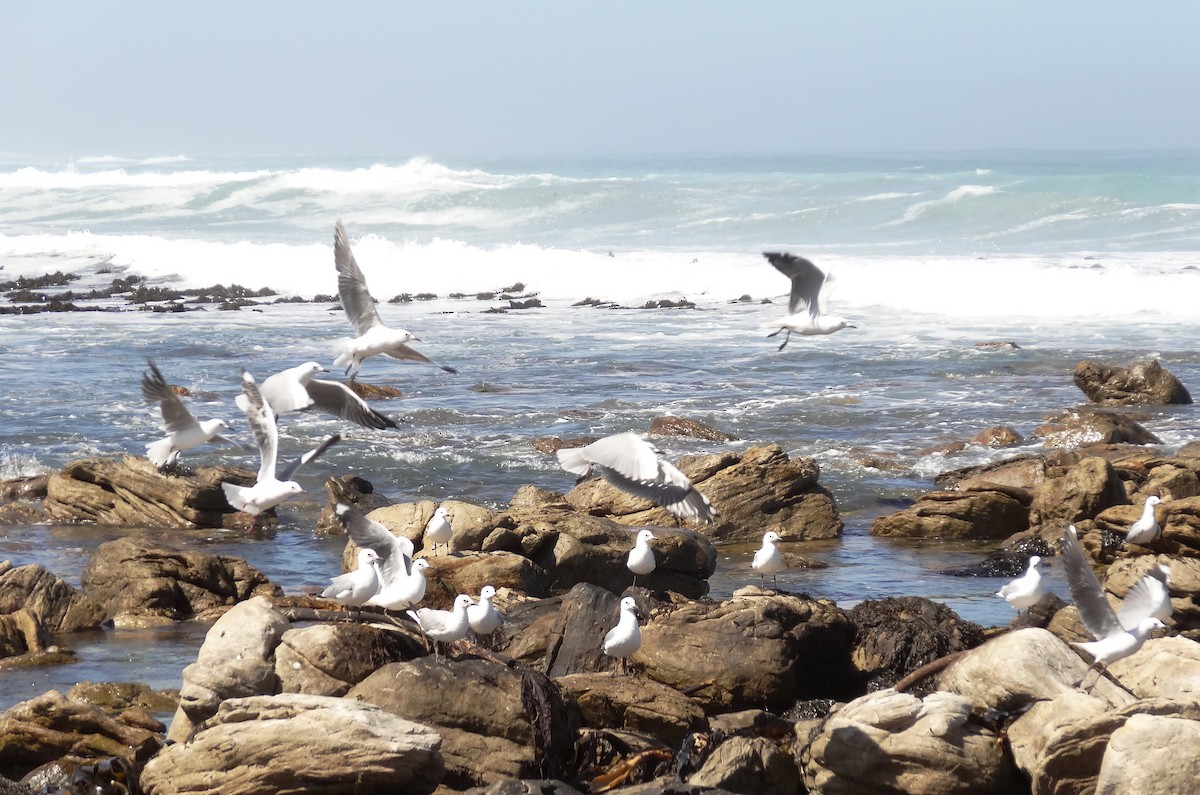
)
(58, 606)
(758, 490)
(1082, 427)
(22, 633)
(1162, 668)
(670, 425)
(634, 704)
(237, 659)
(982, 512)
(573, 645)
(751, 765)
(889, 742)
(1151, 753)
(133, 492)
(329, 659)
(756, 649)
(138, 577)
(896, 636)
(293, 743)
(1181, 531)
(1142, 384)
(1083, 492)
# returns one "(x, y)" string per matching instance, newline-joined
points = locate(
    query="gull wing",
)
(1095, 611)
(311, 455)
(679, 497)
(405, 353)
(807, 281)
(284, 393)
(262, 423)
(632, 464)
(395, 552)
(1144, 600)
(352, 286)
(338, 399)
(176, 416)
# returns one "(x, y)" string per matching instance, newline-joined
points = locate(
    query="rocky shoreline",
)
(763, 692)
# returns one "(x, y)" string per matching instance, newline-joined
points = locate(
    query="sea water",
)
(1068, 257)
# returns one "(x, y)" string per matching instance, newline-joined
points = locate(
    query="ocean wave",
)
(959, 194)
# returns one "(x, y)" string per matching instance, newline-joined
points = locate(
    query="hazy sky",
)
(613, 78)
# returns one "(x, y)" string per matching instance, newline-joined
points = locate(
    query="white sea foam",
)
(959, 194)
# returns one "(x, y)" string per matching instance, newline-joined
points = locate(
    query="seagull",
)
(641, 557)
(626, 637)
(444, 626)
(267, 491)
(183, 431)
(1145, 529)
(767, 559)
(438, 531)
(395, 552)
(373, 337)
(295, 389)
(1113, 641)
(404, 592)
(1148, 597)
(1024, 592)
(632, 464)
(354, 588)
(809, 285)
(484, 618)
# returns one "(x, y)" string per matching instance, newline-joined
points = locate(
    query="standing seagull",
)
(626, 637)
(438, 531)
(767, 559)
(183, 431)
(354, 588)
(444, 626)
(267, 491)
(1024, 592)
(1146, 528)
(395, 552)
(295, 389)
(404, 591)
(804, 303)
(1113, 641)
(484, 618)
(373, 337)
(632, 464)
(641, 557)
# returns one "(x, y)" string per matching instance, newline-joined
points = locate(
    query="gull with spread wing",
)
(295, 389)
(805, 304)
(395, 552)
(183, 430)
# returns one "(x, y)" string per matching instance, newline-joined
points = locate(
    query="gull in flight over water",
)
(295, 389)
(268, 490)
(373, 337)
(1113, 640)
(632, 464)
(809, 285)
(1024, 592)
(1146, 528)
(183, 430)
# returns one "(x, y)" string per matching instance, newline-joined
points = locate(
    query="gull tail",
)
(235, 495)
(159, 452)
(413, 615)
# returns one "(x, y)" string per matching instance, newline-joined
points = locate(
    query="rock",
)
(527, 628)
(1184, 587)
(896, 636)
(1144, 755)
(17, 514)
(475, 705)
(329, 659)
(1142, 384)
(552, 444)
(982, 512)
(539, 786)
(749, 765)
(297, 743)
(58, 606)
(132, 492)
(450, 575)
(136, 577)
(22, 632)
(585, 615)
(1181, 531)
(897, 743)
(758, 490)
(117, 697)
(237, 659)
(945, 448)
(370, 392)
(350, 490)
(51, 726)
(998, 436)
(1082, 427)
(1083, 492)
(1163, 668)
(634, 704)
(29, 487)
(669, 425)
(788, 648)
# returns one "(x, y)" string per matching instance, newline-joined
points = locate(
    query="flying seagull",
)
(1024, 592)
(804, 304)
(183, 431)
(268, 490)
(1113, 640)
(295, 389)
(373, 337)
(1148, 596)
(632, 464)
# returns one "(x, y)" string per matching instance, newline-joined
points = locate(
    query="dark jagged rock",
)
(682, 426)
(1011, 561)
(896, 636)
(1143, 384)
(1082, 427)
(349, 490)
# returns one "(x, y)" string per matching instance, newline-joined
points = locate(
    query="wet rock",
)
(329, 659)
(51, 726)
(552, 444)
(1144, 756)
(15, 514)
(585, 615)
(1023, 472)
(1012, 561)
(946, 448)
(136, 578)
(981, 512)
(58, 606)
(749, 765)
(634, 704)
(1142, 384)
(787, 648)
(30, 487)
(998, 436)
(540, 786)
(1083, 492)
(237, 659)
(21, 633)
(1082, 427)
(299, 744)
(370, 392)
(930, 745)
(349, 490)
(669, 425)
(896, 636)
(131, 491)
(116, 697)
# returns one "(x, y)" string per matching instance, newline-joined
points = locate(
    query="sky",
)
(619, 78)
